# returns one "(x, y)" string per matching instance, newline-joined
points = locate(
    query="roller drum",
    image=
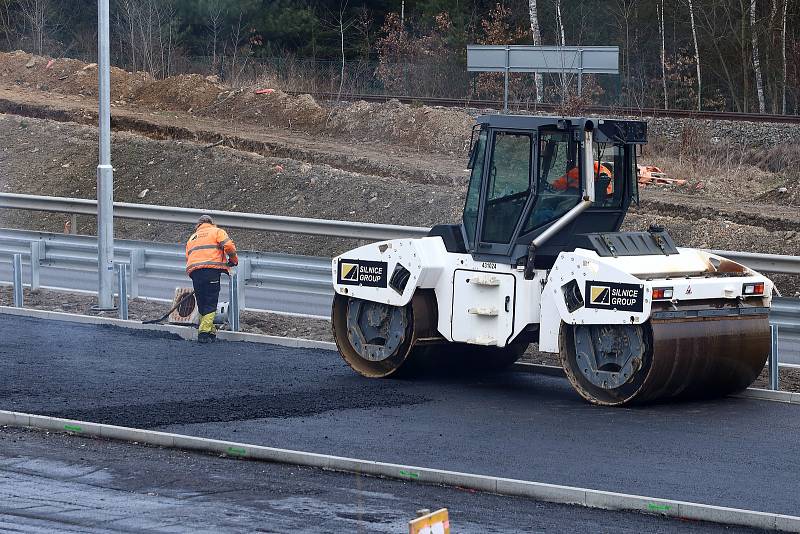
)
(665, 359)
(709, 357)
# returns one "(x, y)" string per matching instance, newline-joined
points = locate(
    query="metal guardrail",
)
(768, 263)
(772, 263)
(282, 283)
(269, 282)
(230, 219)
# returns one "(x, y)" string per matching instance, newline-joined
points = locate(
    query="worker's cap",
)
(205, 219)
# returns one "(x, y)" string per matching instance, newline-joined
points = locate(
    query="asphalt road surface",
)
(730, 452)
(54, 482)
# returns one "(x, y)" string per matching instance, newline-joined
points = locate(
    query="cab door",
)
(507, 187)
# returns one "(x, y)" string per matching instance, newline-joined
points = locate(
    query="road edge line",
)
(189, 333)
(503, 486)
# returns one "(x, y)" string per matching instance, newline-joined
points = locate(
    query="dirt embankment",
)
(424, 128)
(45, 157)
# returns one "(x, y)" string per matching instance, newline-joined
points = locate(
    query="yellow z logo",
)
(600, 295)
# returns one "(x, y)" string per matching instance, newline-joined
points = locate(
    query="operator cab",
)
(529, 172)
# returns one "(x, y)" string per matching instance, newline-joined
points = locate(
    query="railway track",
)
(534, 107)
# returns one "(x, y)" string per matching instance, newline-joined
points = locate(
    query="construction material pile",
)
(652, 175)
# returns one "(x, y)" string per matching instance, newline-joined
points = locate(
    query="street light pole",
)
(105, 172)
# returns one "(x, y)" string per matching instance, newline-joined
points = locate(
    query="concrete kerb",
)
(504, 486)
(191, 334)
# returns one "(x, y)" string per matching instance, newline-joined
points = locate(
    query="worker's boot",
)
(206, 337)
(206, 332)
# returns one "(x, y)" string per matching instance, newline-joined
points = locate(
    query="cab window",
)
(508, 186)
(558, 186)
(609, 175)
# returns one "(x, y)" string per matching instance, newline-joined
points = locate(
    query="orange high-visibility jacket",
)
(207, 247)
(572, 180)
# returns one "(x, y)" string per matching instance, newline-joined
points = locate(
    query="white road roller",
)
(538, 258)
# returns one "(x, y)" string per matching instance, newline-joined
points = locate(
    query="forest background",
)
(734, 55)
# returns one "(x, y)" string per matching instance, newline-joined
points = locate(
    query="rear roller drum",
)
(379, 340)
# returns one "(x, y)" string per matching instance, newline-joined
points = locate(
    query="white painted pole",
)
(105, 172)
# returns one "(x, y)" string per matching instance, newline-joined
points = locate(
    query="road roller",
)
(538, 258)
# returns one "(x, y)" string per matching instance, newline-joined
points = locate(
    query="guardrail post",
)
(37, 253)
(137, 265)
(17, 278)
(73, 224)
(773, 358)
(122, 290)
(233, 309)
(244, 273)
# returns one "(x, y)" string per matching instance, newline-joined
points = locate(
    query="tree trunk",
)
(537, 41)
(660, 13)
(783, 56)
(756, 59)
(696, 58)
(561, 42)
(5, 20)
(341, 75)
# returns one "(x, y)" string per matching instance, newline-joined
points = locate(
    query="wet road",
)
(731, 452)
(53, 482)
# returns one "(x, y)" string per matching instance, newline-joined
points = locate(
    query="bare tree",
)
(214, 17)
(561, 41)
(560, 22)
(783, 55)
(660, 13)
(35, 13)
(696, 58)
(719, 22)
(342, 26)
(623, 12)
(536, 33)
(148, 28)
(6, 20)
(756, 59)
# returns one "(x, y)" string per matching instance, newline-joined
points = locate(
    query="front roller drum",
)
(693, 358)
(377, 340)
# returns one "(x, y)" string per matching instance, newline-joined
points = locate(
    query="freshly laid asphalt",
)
(733, 452)
(54, 482)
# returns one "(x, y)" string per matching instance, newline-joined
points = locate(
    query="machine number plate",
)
(613, 296)
(363, 273)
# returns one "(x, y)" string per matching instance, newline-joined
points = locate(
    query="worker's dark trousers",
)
(206, 289)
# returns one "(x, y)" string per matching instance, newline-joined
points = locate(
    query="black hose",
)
(180, 301)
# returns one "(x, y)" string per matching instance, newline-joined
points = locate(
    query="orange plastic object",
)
(652, 175)
(437, 522)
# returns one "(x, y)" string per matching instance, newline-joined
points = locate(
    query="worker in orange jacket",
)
(206, 253)
(572, 178)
